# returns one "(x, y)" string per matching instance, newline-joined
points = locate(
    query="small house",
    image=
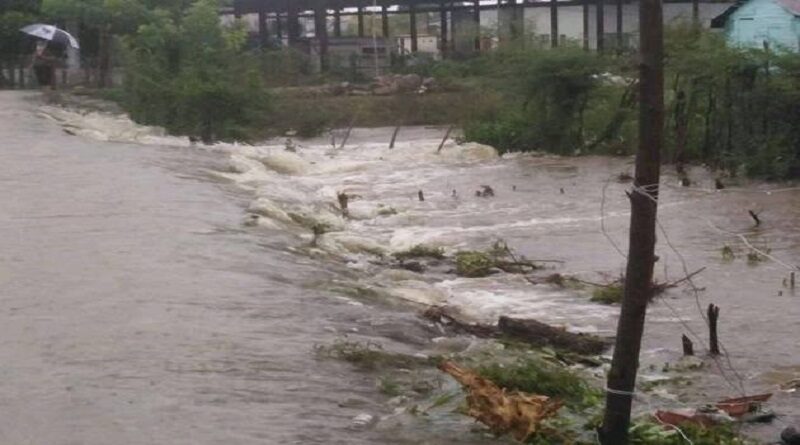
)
(760, 23)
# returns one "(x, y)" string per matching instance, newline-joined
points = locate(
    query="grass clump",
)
(389, 387)
(420, 251)
(538, 377)
(651, 433)
(727, 253)
(370, 355)
(473, 264)
(611, 294)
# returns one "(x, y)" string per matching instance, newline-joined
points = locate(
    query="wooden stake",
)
(688, 347)
(394, 136)
(421, 195)
(347, 134)
(713, 317)
(444, 139)
(642, 239)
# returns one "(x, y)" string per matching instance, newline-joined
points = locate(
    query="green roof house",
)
(756, 23)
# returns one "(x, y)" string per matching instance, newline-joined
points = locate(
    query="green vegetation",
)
(191, 75)
(15, 46)
(473, 264)
(727, 253)
(371, 356)
(536, 376)
(730, 108)
(611, 294)
(421, 251)
(651, 433)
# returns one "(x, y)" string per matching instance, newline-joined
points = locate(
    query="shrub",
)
(191, 76)
(539, 377)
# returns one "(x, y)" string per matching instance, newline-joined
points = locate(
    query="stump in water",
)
(688, 347)
(344, 200)
(421, 195)
(713, 316)
(540, 334)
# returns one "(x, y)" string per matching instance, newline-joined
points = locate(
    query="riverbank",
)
(314, 111)
(544, 207)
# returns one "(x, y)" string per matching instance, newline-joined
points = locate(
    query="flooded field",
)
(160, 292)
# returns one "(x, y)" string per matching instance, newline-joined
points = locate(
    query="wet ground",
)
(158, 292)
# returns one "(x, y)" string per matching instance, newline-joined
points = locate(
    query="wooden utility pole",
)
(642, 240)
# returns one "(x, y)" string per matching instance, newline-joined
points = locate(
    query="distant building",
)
(362, 56)
(426, 44)
(757, 23)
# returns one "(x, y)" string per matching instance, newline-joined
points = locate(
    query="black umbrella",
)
(52, 34)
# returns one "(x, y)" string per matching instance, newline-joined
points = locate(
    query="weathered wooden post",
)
(394, 136)
(642, 240)
(444, 139)
(688, 347)
(713, 317)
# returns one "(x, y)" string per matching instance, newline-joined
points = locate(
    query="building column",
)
(586, 37)
(601, 25)
(321, 32)
(554, 36)
(620, 25)
(337, 21)
(292, 23)
(476, 17)
(385, 21)
(443, 28)
(412, 19)
(360, 20)
(263, 36)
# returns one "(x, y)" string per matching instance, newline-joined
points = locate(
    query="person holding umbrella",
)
(45, 59)
(44, 65)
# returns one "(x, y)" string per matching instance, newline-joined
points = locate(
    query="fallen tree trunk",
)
(529, 331)
(540, 334)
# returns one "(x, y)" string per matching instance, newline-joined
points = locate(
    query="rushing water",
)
(158, 292)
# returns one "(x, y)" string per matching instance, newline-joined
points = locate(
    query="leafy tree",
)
(192, 76)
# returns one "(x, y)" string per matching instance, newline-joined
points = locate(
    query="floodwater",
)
(158, 292)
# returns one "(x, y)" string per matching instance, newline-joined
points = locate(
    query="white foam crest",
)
(110, 127)
(489, 298)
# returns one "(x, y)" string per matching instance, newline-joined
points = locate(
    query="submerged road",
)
(136, 311)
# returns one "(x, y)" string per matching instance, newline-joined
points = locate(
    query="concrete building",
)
(466, 26)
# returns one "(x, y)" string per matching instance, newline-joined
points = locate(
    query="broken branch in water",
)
(517, 413)
(754, 215)
(661, 287)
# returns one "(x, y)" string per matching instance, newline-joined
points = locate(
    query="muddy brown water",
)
(139, 309)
